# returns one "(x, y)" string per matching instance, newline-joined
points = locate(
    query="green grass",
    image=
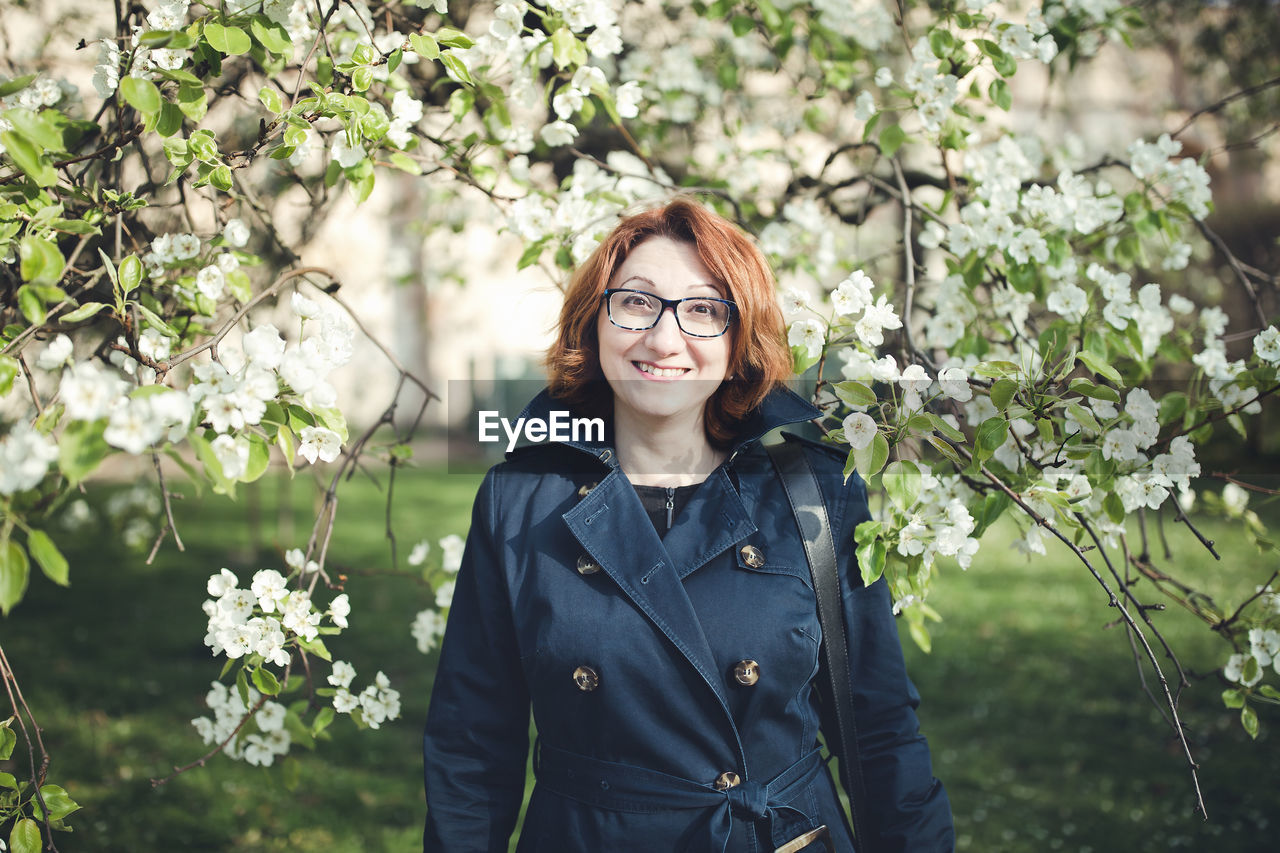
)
(1032, 705)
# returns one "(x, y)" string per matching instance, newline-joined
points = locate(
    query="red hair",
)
(759, 358)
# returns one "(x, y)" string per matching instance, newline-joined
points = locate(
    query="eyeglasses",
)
(697, 316)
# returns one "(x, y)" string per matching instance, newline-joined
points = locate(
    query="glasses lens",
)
(705, 317)
(632, 309)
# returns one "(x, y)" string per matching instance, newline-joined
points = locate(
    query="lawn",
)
(1031, 703)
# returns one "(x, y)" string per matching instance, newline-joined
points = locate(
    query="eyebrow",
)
(717, 288)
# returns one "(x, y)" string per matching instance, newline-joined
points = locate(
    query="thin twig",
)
(1219, 105)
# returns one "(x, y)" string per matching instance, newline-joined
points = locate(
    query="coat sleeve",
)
(907, 808)
(477, 734)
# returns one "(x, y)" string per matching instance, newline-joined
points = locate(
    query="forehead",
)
(663, 264)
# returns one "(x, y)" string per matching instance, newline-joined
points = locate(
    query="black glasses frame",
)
(674, 305)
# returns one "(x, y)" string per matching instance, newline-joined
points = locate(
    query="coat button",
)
(747, 672)
(586, 679)
(726, 780)
(752, 556)
(585, 489)
(587, 566)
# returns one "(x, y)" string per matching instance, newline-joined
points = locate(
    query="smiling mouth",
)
(659, 372)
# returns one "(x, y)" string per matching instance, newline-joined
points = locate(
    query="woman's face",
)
(662, 372)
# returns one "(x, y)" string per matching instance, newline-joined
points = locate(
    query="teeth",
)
(660, 371)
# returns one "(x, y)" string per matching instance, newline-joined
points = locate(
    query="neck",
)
(665, 452)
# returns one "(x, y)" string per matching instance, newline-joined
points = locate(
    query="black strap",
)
(801, 486)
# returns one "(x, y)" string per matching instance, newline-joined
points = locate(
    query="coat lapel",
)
(611, 524)
(715, 519)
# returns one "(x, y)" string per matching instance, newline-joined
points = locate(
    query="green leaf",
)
(57, 801)
(49, 558)
(170, 121)
(870, 459)
(855, 393)
(42, 262)
(265, 681)
(242, 686)
(220, 177)
(1097, 392)
(425, 45)
(193, 101)
(941, 42)
(141, 94)
(891, 139)
(25, 837)
(259, 458)
(130, 273)
(8, 740)
(14, 574)
(801, 360)
(450, 37)
(1084, 417)
(991, 436)
(81, 449)
(1000, 94)
(945, 428)
(172, 39)
(8, 372)
(229, 41)
(154, 321)
(456, 69)
(271, 35)
(993, 506)
(1002, 393)
(323, 718)
(35, 127)
(270, 99)
(33, 163)
(902, 483)
(362, 79)
(563, 44)
(317, 648)
(239, 285)
(1249, 719)
(1172, 407)
(1114, 507)
(871, 560)
(31, 305)
(1233, 698)
(17, 84)
(1099, 366)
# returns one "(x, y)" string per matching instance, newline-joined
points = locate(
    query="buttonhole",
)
(649, 573)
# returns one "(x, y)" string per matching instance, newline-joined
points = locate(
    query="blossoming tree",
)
(962, 296)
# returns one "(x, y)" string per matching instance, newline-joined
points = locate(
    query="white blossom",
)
(427, 629)
(451, 550)
(319, 442)
(236, 233)
(859, 430)
(809, 334)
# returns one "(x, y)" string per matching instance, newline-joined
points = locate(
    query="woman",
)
(649, 595)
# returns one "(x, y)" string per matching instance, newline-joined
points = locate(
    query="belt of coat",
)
(627, 788)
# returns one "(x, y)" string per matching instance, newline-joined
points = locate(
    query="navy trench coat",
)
(656, 667)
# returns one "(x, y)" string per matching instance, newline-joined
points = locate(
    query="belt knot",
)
(749, 800)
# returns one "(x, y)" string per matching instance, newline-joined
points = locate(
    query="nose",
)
(665, 337)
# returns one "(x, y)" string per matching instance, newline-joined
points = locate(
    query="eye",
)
(704, 308)
(636, 300)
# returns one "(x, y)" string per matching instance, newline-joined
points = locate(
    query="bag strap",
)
(801, 486)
